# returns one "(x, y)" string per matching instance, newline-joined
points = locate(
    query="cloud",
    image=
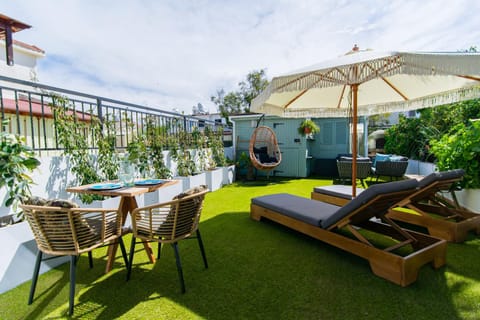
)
(175, 54)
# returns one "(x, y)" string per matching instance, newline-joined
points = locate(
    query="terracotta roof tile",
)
(28, 46)
(35, 108)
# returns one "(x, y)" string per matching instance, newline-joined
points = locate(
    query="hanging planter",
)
(308, 127)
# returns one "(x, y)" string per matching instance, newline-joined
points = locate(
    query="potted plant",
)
(214, 173)
(245, 166)
(308, 127)
(17, 160)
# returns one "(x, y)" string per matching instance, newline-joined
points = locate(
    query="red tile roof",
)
(15, 25)
(10, 106)
(28, 46)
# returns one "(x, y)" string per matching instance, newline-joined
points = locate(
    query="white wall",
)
(25, 63)
(420, 168)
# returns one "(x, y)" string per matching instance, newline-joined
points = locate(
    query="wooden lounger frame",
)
(402, 270)
(452, 221)
(338, 201)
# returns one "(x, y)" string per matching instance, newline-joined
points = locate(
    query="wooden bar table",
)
(127, 204)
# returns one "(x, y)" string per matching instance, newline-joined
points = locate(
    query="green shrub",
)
(461, 150)
(410, 138)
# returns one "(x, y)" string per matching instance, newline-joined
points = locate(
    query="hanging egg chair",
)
(264, 150)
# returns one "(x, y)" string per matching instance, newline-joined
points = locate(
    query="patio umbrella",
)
(363, 83)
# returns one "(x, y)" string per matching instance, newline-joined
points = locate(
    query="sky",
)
(174, 54)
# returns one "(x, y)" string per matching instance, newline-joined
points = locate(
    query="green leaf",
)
(31, 163)
(9, 202)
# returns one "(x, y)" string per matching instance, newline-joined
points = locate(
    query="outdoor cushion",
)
(306, 210)
(39, 201)
(262, 154)
(338, 191)
(380, 157)
(398, 158)
(366, 196)
(359, 159)
(340, 155)
(190, 203)
(440, 176)
(190, 191)
(323, 214)
(35, 201)
(62, 203)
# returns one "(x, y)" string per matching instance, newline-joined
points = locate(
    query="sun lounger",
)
(394, 254)
(443, 217)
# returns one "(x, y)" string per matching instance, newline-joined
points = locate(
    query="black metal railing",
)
(28, 105)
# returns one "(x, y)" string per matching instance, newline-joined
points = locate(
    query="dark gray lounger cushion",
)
(338, 191)
(440, 176)
(323, 214)
(303, 209)
(368, 195)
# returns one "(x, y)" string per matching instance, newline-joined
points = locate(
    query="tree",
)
(198, 109)
(239, 101)
(227, 104)
(256, 83)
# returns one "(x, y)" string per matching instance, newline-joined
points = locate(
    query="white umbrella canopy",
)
(367, 82)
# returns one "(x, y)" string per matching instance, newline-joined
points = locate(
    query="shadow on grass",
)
(257, 270)
(261, 270)
(262, 181)
(52, 289)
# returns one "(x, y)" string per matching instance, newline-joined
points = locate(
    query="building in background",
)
(26, 57)
(17, 59)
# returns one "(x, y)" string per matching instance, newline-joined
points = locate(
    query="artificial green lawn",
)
(257, 270)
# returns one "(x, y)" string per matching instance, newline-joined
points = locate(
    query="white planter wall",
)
(110, 203)
(228, 175)
(469, 198)
(52, 177)
(162, 195)
(184, 181)
(198, 180)
(18, 256)
(420, 168)
(214, 179)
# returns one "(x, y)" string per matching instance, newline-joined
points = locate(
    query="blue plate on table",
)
(149, 182)
(106, 186)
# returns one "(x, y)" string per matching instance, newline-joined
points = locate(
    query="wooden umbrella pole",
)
(354, 141)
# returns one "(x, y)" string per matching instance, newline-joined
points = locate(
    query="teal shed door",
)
(292, 146)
